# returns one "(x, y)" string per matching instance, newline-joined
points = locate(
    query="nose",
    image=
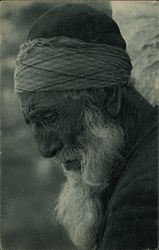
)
(49, 146)
(50, 151)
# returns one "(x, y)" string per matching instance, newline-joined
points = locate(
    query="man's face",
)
(72, 128)
(56, 123)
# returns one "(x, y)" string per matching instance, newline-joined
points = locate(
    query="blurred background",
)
(30, 184)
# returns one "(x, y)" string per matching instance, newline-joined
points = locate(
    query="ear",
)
(114, 102)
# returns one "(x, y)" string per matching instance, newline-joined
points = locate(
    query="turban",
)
(76, 55)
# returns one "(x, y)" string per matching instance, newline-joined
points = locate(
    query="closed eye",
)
(44, 116)
(51, 117)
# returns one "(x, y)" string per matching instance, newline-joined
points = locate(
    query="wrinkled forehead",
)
(41, 98)
(80, 98)
(47, 100)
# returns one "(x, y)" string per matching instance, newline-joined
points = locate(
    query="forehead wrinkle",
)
(36, 101)
(64, 103)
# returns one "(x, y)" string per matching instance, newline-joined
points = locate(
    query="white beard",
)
(79, 208)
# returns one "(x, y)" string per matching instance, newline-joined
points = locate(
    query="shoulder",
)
(132, 212)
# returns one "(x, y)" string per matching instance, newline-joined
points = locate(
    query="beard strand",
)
(104, 141)
(79, 208)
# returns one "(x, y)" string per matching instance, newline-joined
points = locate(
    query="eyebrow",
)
(41, 111)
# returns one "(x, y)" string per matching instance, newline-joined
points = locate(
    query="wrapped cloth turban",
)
(73, 46)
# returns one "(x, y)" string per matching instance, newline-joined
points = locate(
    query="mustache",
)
(69, 154)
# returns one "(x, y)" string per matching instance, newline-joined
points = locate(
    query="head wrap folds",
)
(65, 64)
(72, 47)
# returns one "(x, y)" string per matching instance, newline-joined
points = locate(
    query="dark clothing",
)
(131, 215)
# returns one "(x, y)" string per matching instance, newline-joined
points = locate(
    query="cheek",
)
(73, 127)
(71, 122)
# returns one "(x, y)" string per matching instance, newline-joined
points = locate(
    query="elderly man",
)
(73, 79)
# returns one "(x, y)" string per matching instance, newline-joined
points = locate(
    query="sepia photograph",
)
(79, 125)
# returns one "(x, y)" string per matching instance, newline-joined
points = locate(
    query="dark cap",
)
(78, 21)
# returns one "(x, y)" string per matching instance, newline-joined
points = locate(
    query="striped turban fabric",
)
(79, 55)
